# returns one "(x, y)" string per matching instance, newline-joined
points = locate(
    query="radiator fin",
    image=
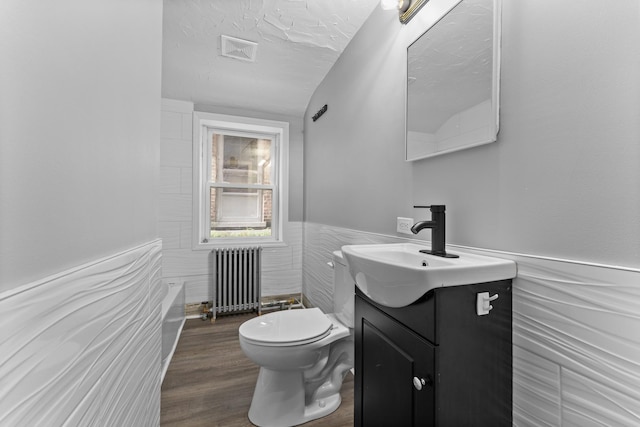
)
(236, 280)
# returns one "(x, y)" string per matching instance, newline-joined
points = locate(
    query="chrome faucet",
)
(437, 226)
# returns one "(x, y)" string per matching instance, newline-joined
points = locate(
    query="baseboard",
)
(298, 300)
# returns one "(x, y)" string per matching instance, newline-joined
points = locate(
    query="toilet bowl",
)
(303, 356)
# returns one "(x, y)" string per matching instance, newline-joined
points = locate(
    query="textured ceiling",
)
(298, 42)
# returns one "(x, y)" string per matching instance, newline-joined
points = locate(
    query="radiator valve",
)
(205, 312)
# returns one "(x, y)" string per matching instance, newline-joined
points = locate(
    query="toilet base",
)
(279, 401)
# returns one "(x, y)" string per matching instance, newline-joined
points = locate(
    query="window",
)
(239, 177)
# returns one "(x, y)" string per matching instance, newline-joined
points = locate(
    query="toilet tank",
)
(343, 291)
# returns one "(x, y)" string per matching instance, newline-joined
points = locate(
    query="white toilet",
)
(303, 357)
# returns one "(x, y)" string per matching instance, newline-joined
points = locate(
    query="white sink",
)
(397, 274)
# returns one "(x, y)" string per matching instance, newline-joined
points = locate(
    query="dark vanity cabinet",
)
(435, 362)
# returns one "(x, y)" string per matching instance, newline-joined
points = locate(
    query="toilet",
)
(303, 356)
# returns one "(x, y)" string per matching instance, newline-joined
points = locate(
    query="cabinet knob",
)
(418, 383)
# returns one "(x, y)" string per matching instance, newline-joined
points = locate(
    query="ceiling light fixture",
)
(400, 5)
(406, 8)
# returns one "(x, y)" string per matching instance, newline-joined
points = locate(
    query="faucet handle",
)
(434, 208)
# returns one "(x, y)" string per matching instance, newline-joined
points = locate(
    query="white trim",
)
(203, 121)
(244, 186)
(546, 258)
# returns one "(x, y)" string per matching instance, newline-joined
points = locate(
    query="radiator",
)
(236, 280)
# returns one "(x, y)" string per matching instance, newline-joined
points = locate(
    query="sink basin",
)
(397, 274)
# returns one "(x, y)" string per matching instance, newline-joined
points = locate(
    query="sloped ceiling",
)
(298, 42)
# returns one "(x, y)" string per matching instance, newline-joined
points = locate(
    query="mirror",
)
(453, 81)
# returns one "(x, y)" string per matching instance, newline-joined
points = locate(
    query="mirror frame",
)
(495, 84)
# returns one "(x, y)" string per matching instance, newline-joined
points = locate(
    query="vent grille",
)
(243, 50)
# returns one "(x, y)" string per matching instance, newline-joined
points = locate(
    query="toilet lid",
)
(287, 327)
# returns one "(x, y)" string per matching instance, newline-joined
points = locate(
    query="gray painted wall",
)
(563, 179)
(80, 124)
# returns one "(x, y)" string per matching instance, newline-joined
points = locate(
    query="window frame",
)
(203, 124)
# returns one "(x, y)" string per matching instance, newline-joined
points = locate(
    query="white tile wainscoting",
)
(576, 336)
(319, 243)
(83, 347)
(576, 331)
(281, 265)
(281, 268)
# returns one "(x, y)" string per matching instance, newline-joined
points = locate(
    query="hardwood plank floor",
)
(210, 381)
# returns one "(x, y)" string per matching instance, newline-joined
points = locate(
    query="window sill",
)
(236, 244)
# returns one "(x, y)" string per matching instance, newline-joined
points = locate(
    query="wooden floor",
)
(210, 381)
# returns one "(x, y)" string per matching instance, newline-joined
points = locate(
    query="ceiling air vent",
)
(238, 48)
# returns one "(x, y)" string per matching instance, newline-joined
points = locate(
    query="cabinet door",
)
(389, 356)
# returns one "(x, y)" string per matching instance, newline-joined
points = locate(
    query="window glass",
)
(240, 166)
(240, 212)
